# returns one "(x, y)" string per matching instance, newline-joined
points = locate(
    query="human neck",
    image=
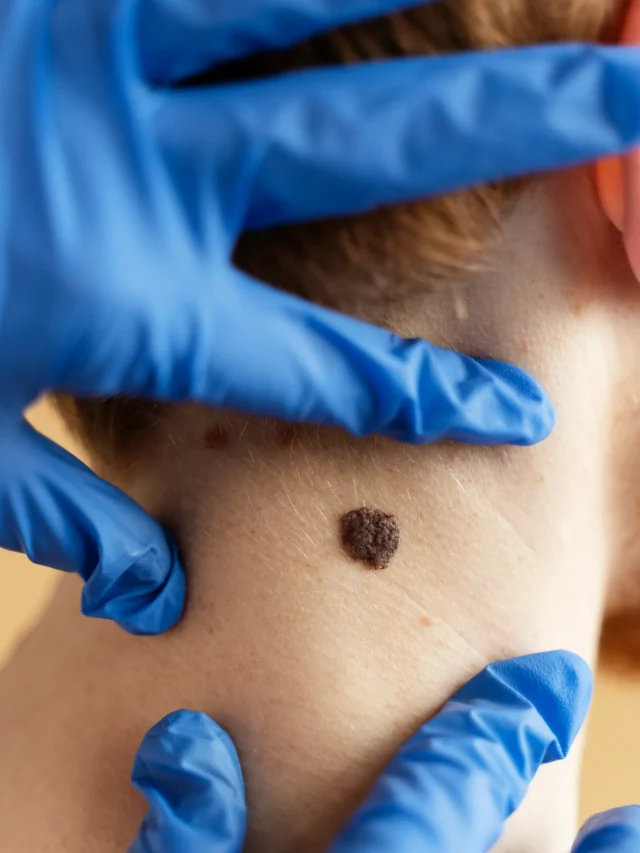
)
(319, 667)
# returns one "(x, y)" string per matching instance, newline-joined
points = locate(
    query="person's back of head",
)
(363, 263)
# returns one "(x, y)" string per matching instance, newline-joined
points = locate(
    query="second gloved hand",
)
(450, 788)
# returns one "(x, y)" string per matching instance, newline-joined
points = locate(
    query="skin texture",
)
(318, 668)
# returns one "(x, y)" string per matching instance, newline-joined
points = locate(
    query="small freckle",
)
(215, 438)
(424, 620)
(288, 435)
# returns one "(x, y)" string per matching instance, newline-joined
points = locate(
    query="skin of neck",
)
(318, 667)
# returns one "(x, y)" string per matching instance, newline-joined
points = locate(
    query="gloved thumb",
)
(455, 782)
(188, 770)
(616, 831)
(60, 514)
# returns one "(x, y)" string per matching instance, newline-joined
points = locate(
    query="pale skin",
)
(318, 667)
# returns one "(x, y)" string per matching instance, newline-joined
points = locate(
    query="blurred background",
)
(610, 775)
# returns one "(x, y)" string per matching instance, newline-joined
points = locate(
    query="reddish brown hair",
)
(383, 255)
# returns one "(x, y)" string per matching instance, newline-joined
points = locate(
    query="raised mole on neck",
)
(370, 536)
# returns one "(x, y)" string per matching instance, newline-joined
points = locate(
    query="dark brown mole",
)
(216, 438)
(370, 535)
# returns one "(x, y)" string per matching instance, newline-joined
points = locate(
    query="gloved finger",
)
(180, 38)
(337, 141)
(322, 367)
(55, 510)
(325, 367)
(616, 831)
(188, 770)
(454, 784)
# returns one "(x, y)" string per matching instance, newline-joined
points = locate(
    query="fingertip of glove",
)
(540, 423)
(558, 684)
(144, 593)
(534, 406)
(192, 724)
(618, 829)
(182, 730)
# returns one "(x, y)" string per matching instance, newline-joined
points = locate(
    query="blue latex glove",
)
(450, 788)
(121, 199)
(617, 831)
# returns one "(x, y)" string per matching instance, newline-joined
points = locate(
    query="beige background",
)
(611, 776)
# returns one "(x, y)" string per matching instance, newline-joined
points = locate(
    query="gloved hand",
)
(616, 831)
(450, 788)
(121, 198)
